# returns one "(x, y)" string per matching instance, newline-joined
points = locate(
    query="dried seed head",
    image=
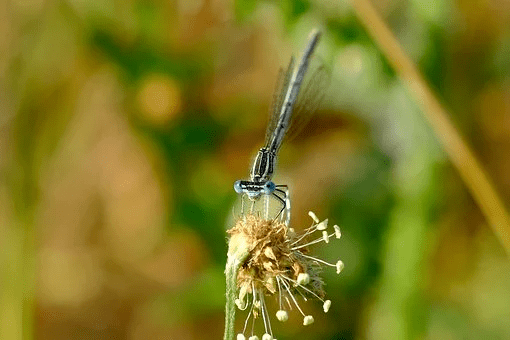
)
(278, 264)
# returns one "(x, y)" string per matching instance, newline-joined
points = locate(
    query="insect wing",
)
(282, 86)
(311, 95)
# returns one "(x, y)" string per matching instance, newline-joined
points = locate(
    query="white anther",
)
(303, 279)
(323, 225)
(325, 236)
(326, 306)
(338, 234)
(241, 337)
(267, 337)
(282, 315)
(339, 266)
(241, 304)
(253, 337)
(242, 292)
(313, 216)
(308, 320)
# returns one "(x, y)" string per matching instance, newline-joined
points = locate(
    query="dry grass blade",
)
(460, 154)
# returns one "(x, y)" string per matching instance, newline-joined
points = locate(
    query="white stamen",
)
(325, 236)
(301, 246)
(312, 228)
(288, 303)
(303, 279)
(303, 287)
(313, 216)
(339, 266)
(308, 320)
(249, 314)
(308, 232)
(326, 306)
(267, 337)
(279, 292)
(320, 261)
(282, 315)
(301, 293)
(265, 316)
(338, 234)
(241, 337)
(292, 297)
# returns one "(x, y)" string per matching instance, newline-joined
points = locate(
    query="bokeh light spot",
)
(159, 98)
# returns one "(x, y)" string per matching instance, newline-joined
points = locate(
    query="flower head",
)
(279, 264)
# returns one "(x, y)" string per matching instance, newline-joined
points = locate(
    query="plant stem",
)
(237, 254)
(17, 275)
(230, 308)
(458, 151)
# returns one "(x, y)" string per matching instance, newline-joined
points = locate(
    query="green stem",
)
(16, 273)
(230, 308)
(237, 254)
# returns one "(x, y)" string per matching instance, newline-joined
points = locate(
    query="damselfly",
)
(291, 109)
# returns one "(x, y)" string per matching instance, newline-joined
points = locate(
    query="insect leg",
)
(282, 201)
(285, 190)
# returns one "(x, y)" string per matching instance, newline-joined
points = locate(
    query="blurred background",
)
(123, 125)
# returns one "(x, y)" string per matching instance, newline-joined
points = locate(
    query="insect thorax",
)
(263, 166)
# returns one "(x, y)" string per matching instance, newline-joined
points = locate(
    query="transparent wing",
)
(282, 85)
(313, 90)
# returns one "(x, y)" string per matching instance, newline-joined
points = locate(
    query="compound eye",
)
(269, 187)
(237, 186)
